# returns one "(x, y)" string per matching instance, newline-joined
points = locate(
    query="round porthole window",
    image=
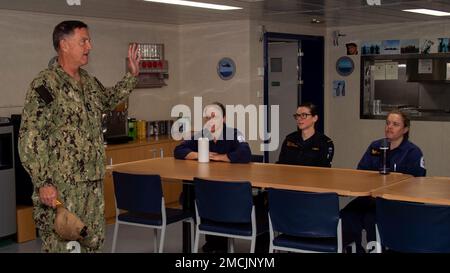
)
(226, 68)
(344, 66)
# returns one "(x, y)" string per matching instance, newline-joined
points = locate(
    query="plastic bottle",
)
(132, 128)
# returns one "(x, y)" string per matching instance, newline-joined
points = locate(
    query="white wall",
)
(193, 52)
(202, 46)
(286, 94)
(352, 135)
(26, 48)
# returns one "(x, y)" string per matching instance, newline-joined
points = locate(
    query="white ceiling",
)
(332, 12)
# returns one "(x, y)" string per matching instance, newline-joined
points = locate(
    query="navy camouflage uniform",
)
(318, 150)
(61, 144)
(359, 214)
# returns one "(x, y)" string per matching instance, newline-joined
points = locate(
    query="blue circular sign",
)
(226, 68)
(344, 66)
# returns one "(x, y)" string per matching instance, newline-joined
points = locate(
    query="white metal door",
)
(283, 87)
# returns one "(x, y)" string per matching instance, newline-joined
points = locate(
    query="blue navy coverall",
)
(406, 158)
(359, 214)
(237, 150)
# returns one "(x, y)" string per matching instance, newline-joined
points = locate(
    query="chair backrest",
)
(413, 227)
(221, 201)
(304, 214)
(138, 193)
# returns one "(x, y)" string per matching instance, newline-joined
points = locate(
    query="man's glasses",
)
(301, 115)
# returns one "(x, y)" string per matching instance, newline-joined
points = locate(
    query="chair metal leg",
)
(192, 234)
(116, 229)
(230, 242)
(252, 246)
(155, 240)
(161, 239)
(197, 238)
(271, 234)
(353, 246)
(378, 248)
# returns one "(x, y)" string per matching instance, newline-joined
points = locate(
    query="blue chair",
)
(412, 227)
(141, 197)
(225, 209)
(304, 221)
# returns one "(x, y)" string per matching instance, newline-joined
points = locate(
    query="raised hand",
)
(134, 57)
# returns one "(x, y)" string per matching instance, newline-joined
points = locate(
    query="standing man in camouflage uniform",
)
(61, 141)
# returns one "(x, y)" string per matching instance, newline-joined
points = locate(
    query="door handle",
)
(153, 151)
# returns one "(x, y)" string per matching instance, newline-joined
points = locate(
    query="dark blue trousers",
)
(359, 214)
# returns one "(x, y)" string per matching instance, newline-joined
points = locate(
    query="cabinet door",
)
(116, 157)
(110, 201)
(166, 148)
(159, 150)
(151, 151)
(171, 188)
(124, 155)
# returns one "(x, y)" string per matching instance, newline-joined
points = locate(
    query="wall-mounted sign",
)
(344, 66)
(338, 88)
(226, 68)
(425, 66)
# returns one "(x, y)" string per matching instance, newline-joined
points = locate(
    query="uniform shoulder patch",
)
(240, 138)
(422, 162)
(44, 94)
(330, 152)
(291, 144)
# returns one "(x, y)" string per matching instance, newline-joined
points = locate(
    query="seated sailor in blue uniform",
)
(403, 156)
(306, 146)
(225, 144)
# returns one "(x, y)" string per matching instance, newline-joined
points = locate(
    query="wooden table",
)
(344, 182)
(433, 190)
